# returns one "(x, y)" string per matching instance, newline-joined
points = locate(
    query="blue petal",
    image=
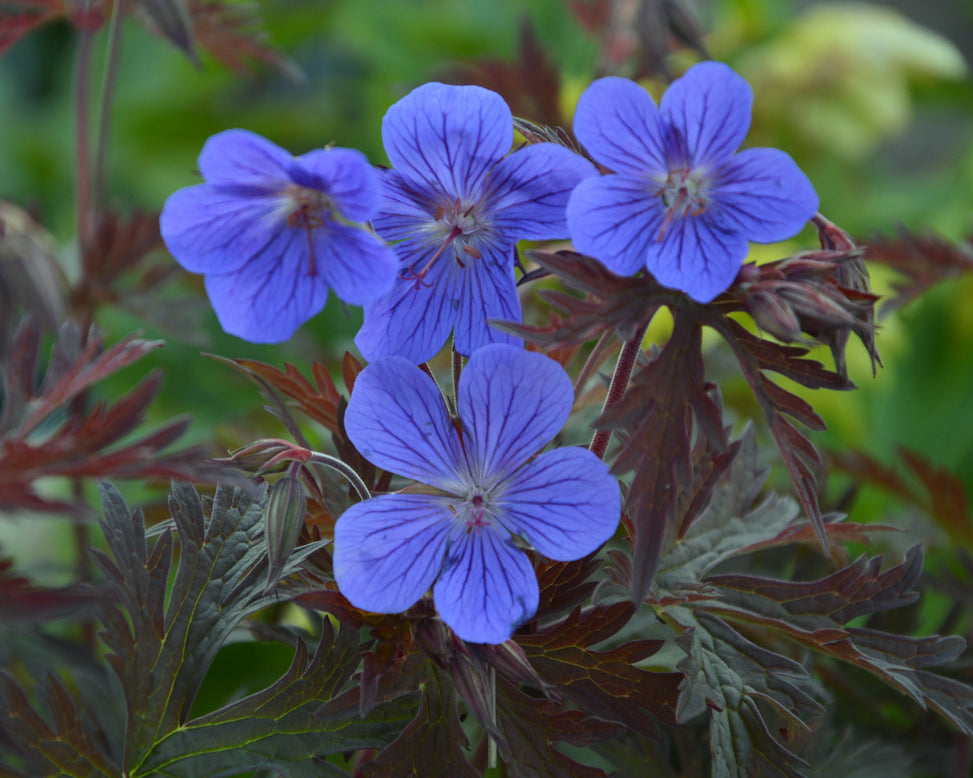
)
(709, 108)
(512, 403)
(448, 137)
(697, 256)
(243, 158)
(358, 266)
(619, 124)
(397, 419)
(345, 175)
(486, 290)
(565, 502)
(487, 588)
(528, 191)
(764, 194)
(211, 230)
(389, 550)
(616, 218)
(414, 319)
(407, 210)
(267, 299)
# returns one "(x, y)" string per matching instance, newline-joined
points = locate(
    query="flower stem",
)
(81, 140)
(344, 469)
(627, 358)
(104, 107)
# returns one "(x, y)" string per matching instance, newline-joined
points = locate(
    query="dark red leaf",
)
(531, 729)
(434, 737)
(666, 401)
(923, 260)
(605, 684)
(22, 16)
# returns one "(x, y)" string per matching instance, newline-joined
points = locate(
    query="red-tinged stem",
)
(104, 108)
(627, 358)
(81, 140)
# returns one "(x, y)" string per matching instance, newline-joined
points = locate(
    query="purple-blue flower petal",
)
(566, 503)
(357, 265)
(272, 295)
(413, 320)
(528, 191)
(407, 208)
(709, 109)
(764, 194)
(210, 230)
(619, 124)
(487, 588)
(485, 289)
(616, 219)
(390, 549)
(512, 403)
(397, 419)
(345, 176)
(698, 257)
(448, 137)
(241, 158)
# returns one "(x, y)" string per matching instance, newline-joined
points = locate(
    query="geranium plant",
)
(529, 532)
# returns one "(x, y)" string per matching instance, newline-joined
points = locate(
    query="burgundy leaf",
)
(434, 737)
(923, 260)
(665, 402)
(605, 684)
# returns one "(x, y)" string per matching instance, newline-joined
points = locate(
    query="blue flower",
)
(484, 488)
(272, 233)
(458, 206)
(681, 201)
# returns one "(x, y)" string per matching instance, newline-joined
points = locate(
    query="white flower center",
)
(457, 225)
(683, 195)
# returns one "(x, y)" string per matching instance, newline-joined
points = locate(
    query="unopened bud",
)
(283, 520)
(773, 315)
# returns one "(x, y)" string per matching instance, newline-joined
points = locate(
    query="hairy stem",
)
(627, 358)
(344, 469)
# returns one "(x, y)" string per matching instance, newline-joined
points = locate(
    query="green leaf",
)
(277, 729)
(162, 643)
(730, 523)
(62, 746)
(813, 614)
(725, 675)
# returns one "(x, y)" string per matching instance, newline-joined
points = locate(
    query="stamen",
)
(410, 274)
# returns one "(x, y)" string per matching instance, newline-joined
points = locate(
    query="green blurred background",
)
(873, 101)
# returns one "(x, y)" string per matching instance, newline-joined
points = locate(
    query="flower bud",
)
(284, 518)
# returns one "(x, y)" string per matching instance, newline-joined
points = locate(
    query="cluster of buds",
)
(820, 295)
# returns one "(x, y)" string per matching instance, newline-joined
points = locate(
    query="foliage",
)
(757, 612)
